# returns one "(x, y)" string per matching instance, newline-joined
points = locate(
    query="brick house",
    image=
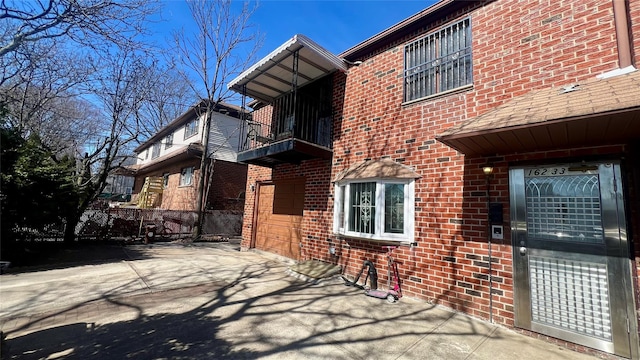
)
(173, 154)
(497, 143)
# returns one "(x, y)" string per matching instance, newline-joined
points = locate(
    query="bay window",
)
(376, 209)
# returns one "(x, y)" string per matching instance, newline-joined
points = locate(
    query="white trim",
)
(616, 72)
(284, 50)
(342, 197)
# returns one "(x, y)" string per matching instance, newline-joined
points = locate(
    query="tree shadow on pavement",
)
(174, 336)
(257, 312)
(41, 257)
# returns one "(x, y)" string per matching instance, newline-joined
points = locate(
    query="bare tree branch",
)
(224, 44)
(117, 22)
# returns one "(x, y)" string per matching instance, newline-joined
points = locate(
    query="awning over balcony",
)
(598, 112)
(273, 75)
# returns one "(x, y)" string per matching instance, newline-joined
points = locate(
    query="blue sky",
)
(335, 25)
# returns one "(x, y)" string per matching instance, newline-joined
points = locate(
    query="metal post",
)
(244, 130)
(294, 89)
(489, 244)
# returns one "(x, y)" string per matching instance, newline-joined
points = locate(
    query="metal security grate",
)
(438, 62)
(362, 207)
(564, 208)
(571, 295)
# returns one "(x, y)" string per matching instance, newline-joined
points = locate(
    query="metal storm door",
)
(571, 268)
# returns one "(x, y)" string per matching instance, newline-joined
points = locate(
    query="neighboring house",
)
(169, 162)
(497, 143)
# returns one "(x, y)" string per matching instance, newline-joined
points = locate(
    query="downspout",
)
(623, 41)
(621, 21)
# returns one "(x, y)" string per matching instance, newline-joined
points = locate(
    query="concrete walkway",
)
(213, 302)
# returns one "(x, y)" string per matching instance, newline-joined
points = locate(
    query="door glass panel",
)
(565, 208)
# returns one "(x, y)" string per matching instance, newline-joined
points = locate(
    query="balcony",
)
(294, 85)
(295, 127)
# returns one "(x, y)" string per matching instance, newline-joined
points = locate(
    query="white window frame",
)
(191, 128)
(155, 150)
(341, 210)
(168, 141)
(183, 176)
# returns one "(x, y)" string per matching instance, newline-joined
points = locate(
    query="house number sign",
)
(548, 171)
(560, 170)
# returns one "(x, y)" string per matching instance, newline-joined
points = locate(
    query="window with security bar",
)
(375, 209)
(362, 207)
(564, 208)
(438, 62)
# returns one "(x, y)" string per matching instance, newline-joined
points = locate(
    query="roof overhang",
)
(377, 169)
(192, 113)
(184, 152)
(600, 112)
(273, 76)
(411, 25)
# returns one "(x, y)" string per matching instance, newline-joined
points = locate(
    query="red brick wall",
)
(533, 45)
(228, 183)
(174, 197)
(518, 46)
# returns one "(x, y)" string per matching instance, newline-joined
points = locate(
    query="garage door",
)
(279, 220)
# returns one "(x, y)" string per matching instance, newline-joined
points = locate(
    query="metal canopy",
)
(273, 75)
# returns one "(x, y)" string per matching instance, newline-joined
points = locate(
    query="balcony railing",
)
(295, 127)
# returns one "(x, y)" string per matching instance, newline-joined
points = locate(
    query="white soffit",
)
(272, 76)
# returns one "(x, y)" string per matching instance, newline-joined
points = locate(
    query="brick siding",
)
(518, 46)
(227, 186)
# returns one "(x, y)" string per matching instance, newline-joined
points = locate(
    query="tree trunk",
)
(200, 205)
(70, 229)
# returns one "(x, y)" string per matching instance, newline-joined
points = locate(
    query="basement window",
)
(438, 62)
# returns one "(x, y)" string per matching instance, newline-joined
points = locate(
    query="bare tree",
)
(224, 44)
(87, 22)
(44, 98)
(121, 89)
(168, 96)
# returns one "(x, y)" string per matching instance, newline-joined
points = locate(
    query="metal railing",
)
(303, 115)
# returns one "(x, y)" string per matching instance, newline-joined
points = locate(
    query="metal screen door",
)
(571, 267)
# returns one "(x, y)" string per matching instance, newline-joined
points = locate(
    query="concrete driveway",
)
(212, 302)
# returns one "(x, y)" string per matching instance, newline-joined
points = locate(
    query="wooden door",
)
(279, 220)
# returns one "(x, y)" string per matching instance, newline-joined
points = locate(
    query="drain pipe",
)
(621, 21)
